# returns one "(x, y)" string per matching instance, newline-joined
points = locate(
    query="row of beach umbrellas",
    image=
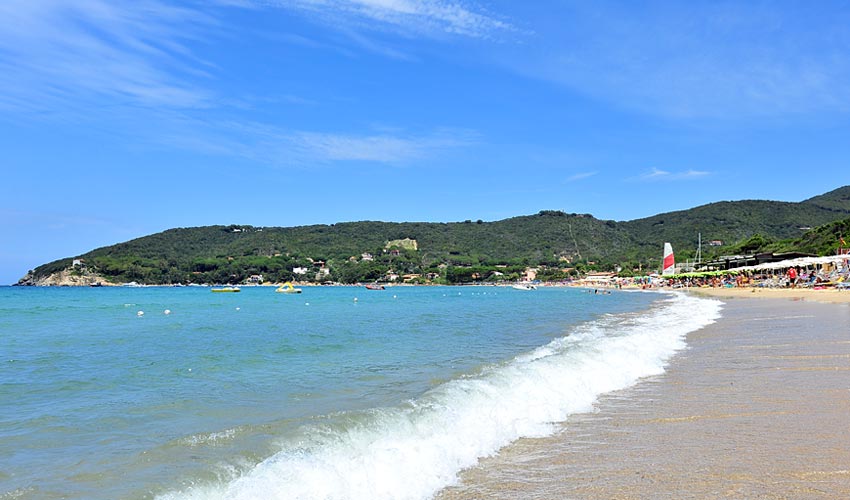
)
(782, 264)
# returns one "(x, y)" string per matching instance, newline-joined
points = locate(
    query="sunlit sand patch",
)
(805, 356)
(796, 344)
(822, 473)
(813, 368)
(694, 418)
(799, 316)
(765, 346)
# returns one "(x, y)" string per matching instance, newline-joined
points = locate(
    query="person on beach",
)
(792, 277)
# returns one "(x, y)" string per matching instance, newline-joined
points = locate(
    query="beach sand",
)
(826, 295)
(758, 406)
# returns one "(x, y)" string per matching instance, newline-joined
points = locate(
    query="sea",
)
(177, 393)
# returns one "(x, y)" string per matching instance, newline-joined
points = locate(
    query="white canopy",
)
(801, 261)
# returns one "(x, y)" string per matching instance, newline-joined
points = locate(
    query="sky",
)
(123, 119)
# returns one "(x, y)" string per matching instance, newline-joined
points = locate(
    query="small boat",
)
(287, 288)
(227, 289)
(523, 286)
(374, 286)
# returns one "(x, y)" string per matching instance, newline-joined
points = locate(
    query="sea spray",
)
(414, 450)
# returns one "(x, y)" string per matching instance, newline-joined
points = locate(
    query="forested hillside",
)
(734, 221)
(557, 242)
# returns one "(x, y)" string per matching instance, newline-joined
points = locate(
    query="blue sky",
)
(122, 119)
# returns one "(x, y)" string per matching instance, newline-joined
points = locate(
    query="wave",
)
(413, 451)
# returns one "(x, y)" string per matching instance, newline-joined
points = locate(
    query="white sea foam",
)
(211, 438)
(412, 452)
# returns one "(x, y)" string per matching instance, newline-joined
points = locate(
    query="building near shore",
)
(599, 279)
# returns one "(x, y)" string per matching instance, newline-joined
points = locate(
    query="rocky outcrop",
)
(27, 280)
(67, 277)
(406, 243)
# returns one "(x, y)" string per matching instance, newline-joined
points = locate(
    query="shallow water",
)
(317, 395)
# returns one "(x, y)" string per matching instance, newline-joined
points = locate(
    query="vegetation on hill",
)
(555, 242)
(734, 221)
(836, 200)
(823, 240)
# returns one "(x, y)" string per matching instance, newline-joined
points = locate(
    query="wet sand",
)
(758, 406)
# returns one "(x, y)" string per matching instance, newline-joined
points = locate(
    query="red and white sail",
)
(669, 264)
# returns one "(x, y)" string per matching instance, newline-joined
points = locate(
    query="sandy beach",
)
(758, 406)
(830, 295)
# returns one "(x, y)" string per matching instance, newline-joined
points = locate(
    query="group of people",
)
(797, 276)
(793, 277)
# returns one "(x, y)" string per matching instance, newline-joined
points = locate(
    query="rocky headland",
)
(66, 277)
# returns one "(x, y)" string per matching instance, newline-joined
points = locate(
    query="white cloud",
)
(656, 174)
(56, 54)
(380, 148)
(580, 176)
(373, 46)
(283, 147)
(422, 17)
(135, 65)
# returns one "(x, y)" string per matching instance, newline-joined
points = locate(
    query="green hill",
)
(733, 221)
(837, 200)
(453, 252)
(823, 240)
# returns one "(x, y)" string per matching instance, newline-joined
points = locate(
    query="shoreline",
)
(758, 405)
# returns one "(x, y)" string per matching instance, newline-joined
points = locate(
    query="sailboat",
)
(668, 265)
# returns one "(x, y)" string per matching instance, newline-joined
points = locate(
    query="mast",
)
(699, 249)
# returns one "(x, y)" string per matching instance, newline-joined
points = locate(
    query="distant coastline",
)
(549, 246)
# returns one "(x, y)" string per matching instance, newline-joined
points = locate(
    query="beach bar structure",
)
(728, 262)
(597, 279)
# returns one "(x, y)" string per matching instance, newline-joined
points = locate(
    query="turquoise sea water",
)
(338, 392)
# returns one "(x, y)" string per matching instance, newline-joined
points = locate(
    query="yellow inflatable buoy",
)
(287, 288)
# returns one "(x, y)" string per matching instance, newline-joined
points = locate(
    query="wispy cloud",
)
(656, 174)
(282, 147)
(377, 148)
(55, 54)
(392, 149)
(581, 176)
(381, 49)
(384, 27)
(131, 63)
(410, 17)
(697, 59)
